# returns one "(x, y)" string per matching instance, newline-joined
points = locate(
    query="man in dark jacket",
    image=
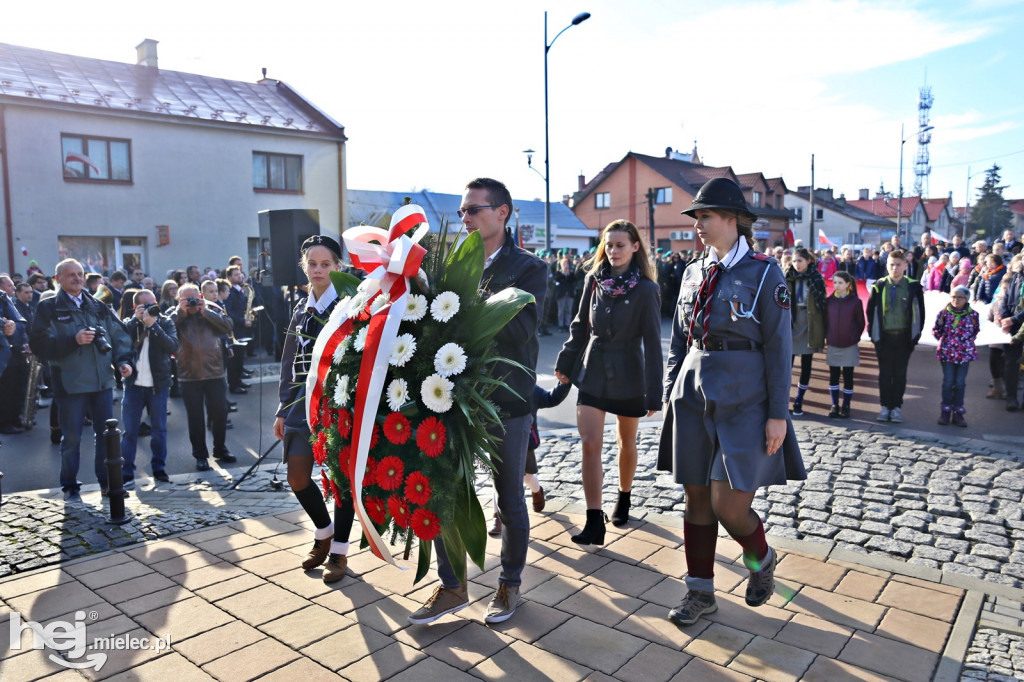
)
(81, 338)
(13, 359)
(1011, 314)
(155, 340)
(235, 306)
(895, 322)
(486, 208)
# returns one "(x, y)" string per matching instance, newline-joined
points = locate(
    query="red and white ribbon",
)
(390, 258)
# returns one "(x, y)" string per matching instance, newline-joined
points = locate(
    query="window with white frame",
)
(603, 200)
(664, 195)
(276, 172)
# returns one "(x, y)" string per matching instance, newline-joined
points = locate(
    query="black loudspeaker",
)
(281, 234)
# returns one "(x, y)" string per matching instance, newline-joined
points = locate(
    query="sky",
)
(433, 94)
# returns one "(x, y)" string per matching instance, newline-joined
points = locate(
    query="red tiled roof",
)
(933, 207)
(885, 208)
(776, 185)
(748, 180)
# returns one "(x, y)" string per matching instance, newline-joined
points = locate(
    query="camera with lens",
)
(100, 339)
(192, 302)
(153, 310)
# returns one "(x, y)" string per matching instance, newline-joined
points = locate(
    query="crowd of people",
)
(741, 318)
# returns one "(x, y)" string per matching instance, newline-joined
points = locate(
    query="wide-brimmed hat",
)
(722, 194)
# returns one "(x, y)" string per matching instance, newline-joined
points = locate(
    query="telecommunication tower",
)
(922, 167)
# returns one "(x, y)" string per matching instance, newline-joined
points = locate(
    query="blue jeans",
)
(134, 400)
(71, 412)
(515, 519)
(954, 378)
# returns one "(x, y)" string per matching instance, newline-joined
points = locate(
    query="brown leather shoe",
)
(334, 569)
(317, 555)
(538, 500)
(495, 528)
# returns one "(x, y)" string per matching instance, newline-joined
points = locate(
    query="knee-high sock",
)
(344, 514)
(312, 500)
(699, 543)
(834, 392)
(800, 390)
(755, 546)
(847, 396)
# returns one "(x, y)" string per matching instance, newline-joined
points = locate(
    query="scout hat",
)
(720, 193)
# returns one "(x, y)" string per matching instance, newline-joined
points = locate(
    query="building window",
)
(603, 200)
(99, 159)
(778, 202)
(664, 195)
(276, 172)
(799, 210)
(757, 200)
(819, 214)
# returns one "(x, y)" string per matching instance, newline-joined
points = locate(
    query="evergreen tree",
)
(990, 214)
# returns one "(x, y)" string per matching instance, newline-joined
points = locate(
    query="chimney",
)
(863, 194)
(582, 182)
(146, 53)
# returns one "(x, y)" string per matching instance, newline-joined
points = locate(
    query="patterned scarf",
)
(702, 305)
(618, 285)
(958, 314)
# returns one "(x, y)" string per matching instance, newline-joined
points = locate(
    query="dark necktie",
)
(702, 305)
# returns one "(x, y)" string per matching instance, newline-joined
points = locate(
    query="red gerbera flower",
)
(320, 447)
(431, 436)
(390, 473)
(425, 524)
(374, 435)
(344, 423)
(397, 428)
(370, 473)
(399, 510)
(325, 416)
(417, 488)
(326, 482)
(314, 419)
(343, 456)
(375, 509)
(336, 493)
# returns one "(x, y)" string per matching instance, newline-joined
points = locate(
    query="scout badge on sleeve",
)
(781, 296)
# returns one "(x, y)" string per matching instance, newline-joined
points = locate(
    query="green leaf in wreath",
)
(344, 283)
(472, 527)
(497, 311)
(464, 268)
(455, 549)
(423, 563)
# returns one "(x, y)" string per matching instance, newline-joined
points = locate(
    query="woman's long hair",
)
(641, 259)
(165, 293)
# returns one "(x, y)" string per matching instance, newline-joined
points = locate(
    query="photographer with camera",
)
(155, 339)
(81, 339)
(201, 372)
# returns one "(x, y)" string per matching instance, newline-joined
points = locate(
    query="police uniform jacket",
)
(78, 368)
(717, 402)
(608, 331)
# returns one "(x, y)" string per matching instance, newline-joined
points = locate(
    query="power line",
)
(949, 165)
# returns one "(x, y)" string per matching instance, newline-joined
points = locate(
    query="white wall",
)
(196, 178)
(836, 226)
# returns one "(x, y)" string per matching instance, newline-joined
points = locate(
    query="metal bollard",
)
(115, 478)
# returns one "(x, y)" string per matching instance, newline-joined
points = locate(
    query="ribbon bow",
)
(390, 258)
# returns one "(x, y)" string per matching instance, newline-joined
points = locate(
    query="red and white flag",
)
(75, 157)
(823, 239)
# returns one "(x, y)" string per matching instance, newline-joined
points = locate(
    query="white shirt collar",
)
(321, 305)
(735, 255)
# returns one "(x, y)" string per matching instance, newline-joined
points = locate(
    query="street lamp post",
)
(578, 19)
(899, 203)
(967, 201)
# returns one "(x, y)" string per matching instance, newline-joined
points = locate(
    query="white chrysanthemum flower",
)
(379, 302)
(415, 308)
(437, 393)
(405, 346)
(450, 360)
(341, 391)
(445, 306)
(398, 394)
(360, 341)
(339, 352)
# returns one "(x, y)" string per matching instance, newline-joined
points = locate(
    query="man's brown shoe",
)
(495, 528)
(334, 569)
(442, 602)
(538, 501)
(317, 555)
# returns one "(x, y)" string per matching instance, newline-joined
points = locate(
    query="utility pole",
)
(651, 196)
(812, 245)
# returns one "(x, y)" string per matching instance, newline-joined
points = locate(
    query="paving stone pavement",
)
(946, 511)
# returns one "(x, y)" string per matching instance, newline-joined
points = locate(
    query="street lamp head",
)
(529, 156)
(580, 18)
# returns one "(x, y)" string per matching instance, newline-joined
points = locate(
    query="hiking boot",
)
(998, 391)
(442, 602)
(883, 415)
(503, 605)
(945, 415)
(896, 415)
(958, 417)
(538, 501)
(834, 413)
(694, 605)
(494, 530)
(335, 568)
(318, 554)
(761, 583)
(844, 411)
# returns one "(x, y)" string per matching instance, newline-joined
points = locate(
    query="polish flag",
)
(75, 157)
(936, 239)
(823, 240)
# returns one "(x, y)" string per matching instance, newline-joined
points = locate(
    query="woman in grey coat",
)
(614, 347)
(727, 430)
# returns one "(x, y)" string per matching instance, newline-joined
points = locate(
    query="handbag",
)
(578, 370)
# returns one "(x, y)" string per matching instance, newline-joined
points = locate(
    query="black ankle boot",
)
(593, 532)
(620, 516)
